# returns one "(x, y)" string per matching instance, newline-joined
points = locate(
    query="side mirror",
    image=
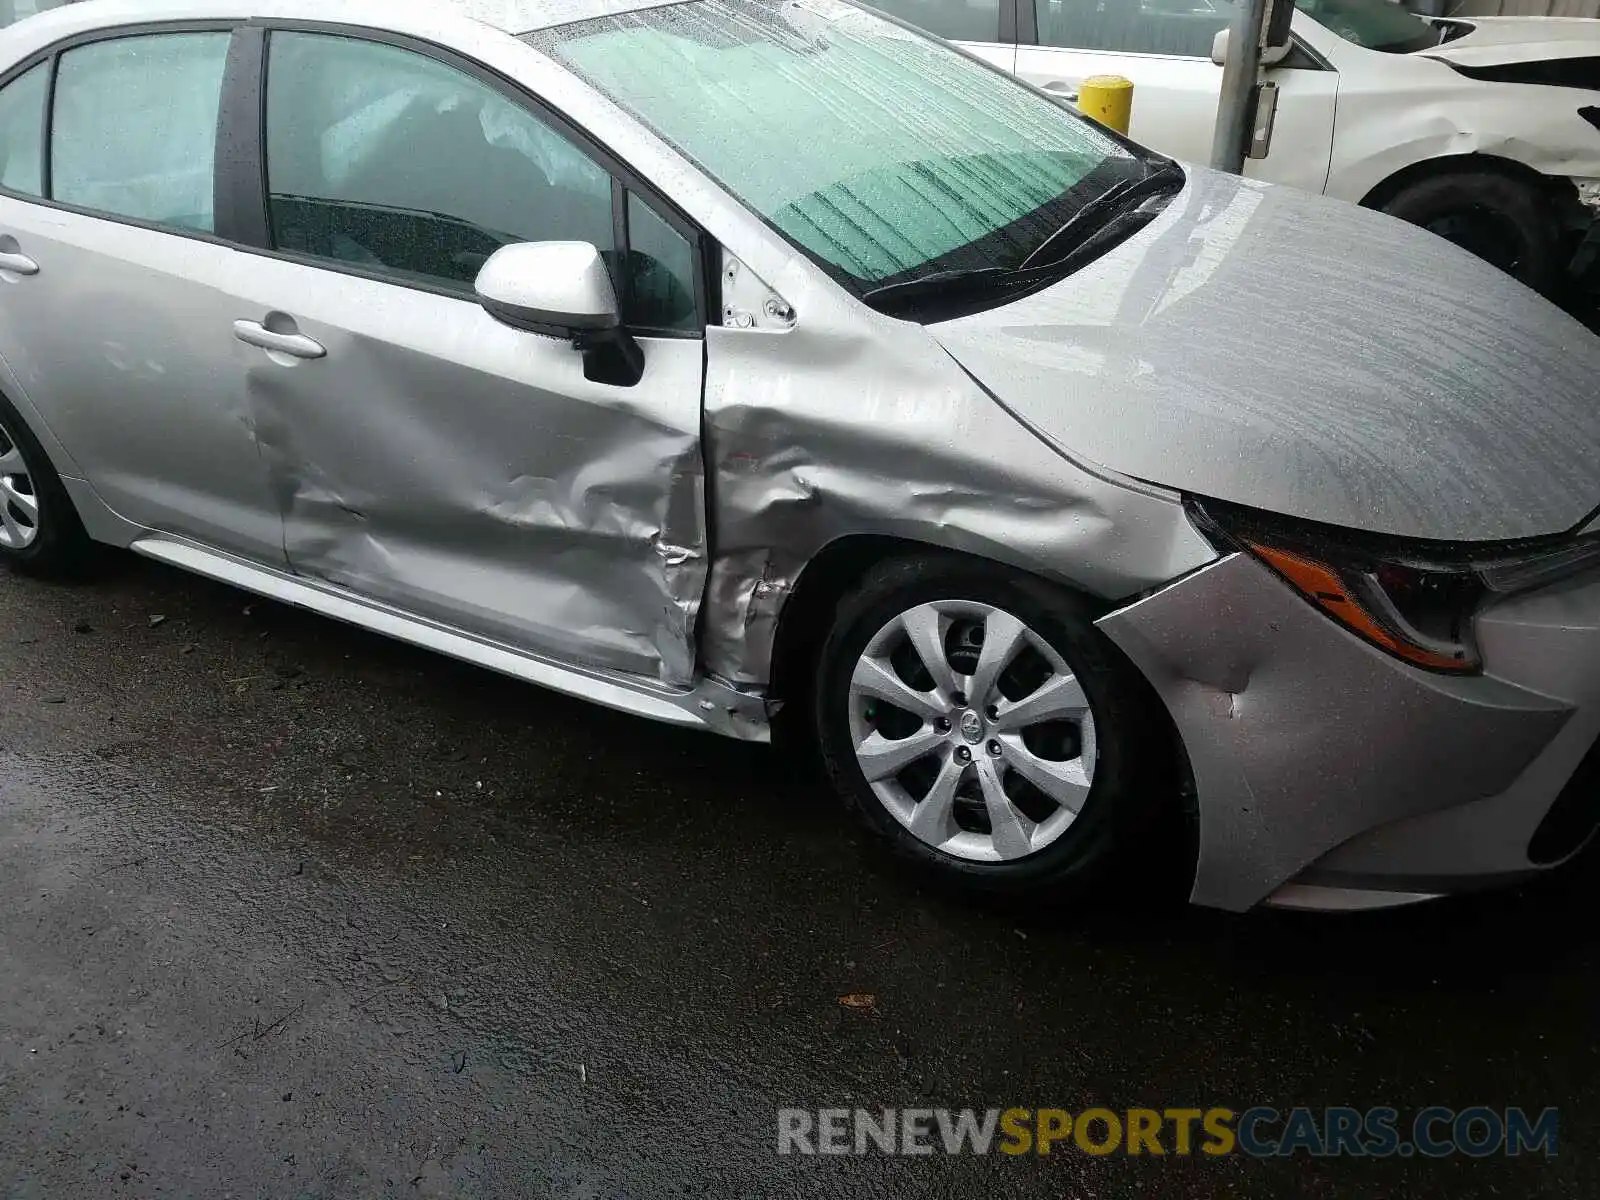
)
(1270, 57)
(562, 289)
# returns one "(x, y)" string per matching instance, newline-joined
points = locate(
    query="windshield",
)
(886, 157)
(1375, 24)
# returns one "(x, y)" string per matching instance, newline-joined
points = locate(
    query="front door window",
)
(387, 161)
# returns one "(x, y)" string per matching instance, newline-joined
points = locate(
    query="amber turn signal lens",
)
(1327, 589)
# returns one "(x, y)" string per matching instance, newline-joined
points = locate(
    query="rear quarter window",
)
(134, 128)
(22, 131)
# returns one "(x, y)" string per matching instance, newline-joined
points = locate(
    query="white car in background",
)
(12, 11)
(1484, 130)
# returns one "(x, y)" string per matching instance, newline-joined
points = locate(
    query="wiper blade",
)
(938, 281)
(1118, 228)
(1091, 225)
(1103, 210)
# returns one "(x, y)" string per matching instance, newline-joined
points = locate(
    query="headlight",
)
(1419, 613)
(1412, 600)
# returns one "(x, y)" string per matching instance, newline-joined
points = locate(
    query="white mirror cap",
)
(1219, 48)
(1271, 56)
(561, 285)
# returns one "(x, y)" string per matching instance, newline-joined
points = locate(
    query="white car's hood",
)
(1279, 350)
(1496, 41)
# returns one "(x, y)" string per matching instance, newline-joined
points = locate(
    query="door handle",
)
(1066, 91)
(296, 345)
(18, 264)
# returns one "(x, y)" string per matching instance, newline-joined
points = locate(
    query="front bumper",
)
(1329, 775)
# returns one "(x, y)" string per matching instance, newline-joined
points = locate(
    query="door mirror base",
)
(610, 356)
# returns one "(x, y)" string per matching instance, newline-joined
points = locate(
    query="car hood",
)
(1276, 349)
(1499, 41)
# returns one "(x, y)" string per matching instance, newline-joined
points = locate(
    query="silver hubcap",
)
(19, 506)
(972, 731)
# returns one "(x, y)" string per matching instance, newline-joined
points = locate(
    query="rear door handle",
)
(296, 345)
(18, 264)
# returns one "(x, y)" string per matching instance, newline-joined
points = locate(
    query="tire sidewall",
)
(59, 543)
(1514, 201)
(1115, 805)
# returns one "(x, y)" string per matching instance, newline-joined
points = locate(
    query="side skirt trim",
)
(710, 705)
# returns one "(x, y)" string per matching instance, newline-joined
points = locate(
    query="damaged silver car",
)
(743, 363)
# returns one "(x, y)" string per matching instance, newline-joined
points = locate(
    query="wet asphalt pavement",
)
(290, 910)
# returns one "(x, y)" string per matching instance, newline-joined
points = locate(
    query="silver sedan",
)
(764, 365)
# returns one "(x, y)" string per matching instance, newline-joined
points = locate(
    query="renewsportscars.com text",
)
(1260, 1132)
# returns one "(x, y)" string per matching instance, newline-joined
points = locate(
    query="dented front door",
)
(424, 454)
(434, 459)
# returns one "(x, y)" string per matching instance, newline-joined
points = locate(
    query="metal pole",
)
(1239, 77)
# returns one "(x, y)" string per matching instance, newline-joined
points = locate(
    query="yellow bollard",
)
(1108, 99)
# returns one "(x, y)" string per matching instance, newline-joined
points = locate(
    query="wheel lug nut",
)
(959, 699)
(994, 749)
(992, 712)
(942, 724)
(963, 754)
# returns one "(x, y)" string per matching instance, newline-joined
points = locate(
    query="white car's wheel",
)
(1502, 220)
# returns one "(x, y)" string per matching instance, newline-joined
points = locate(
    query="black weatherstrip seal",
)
(241, 192)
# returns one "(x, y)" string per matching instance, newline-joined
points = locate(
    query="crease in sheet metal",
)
(490, 487)
(842, 427)
(1300, 736)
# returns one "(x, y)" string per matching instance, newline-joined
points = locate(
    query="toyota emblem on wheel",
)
(971, 726)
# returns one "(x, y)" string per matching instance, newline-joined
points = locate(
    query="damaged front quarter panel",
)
(1424, 111)
(834, 421)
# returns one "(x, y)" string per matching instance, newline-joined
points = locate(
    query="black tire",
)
(1131, 783)
(60, 549)
(1504, 221)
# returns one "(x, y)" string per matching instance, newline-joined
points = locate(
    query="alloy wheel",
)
(972, 730)
(19, 502)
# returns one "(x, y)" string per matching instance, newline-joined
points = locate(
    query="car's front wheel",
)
(980, 724)
(39, 529)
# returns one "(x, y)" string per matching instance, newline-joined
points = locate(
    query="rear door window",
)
(15, 10)
(134, 127)
(22, 131)
(953, 20)
(1183, 28)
